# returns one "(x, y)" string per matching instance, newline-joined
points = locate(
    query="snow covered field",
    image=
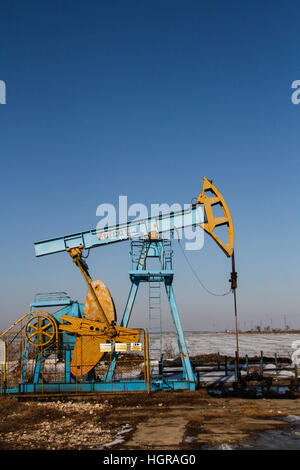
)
(198, 344)
(225, 343)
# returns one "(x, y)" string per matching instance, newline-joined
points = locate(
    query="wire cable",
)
(87, 255)
(197, 277)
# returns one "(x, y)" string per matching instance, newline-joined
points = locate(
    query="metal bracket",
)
(212, 221)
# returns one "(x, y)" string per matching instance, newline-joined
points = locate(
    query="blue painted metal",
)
(24, 362)
(139, 229)
(149, 249)
(39, 362)
(99, 387)
(186, 363)
(139, 273)
(68, 357)
(51, 299)
(156, 249)
(67, 340)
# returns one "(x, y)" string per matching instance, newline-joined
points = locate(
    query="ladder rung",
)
(155, 334)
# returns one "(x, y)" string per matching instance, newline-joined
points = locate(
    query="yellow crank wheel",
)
(41, 329)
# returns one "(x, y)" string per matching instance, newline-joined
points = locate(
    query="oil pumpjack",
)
(78, 332)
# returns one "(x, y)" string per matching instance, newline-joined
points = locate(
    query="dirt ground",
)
(162, 420)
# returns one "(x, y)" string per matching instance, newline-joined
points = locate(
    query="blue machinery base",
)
(99, 387)
(161, 250)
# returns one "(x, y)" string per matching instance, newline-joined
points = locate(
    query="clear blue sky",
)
(140, 98)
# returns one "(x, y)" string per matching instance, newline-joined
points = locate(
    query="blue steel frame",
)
(156, 249)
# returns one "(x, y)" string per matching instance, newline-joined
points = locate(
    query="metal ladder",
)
(155, 320)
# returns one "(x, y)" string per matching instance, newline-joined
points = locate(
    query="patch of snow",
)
(292, 419)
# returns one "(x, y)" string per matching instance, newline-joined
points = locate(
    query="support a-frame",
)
(160, 249)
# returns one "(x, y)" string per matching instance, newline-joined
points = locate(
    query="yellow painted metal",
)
(85, 356)
(91, 310)
(41, 329)
(154, 235)
(90, 334)
(83, 326)
(76, 255)
(98, 325)
(18, 321)
(38, 329)
(212, 222)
